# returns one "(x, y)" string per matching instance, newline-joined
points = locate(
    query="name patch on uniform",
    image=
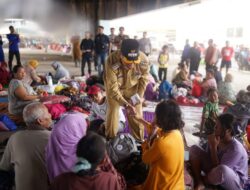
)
(116, 66)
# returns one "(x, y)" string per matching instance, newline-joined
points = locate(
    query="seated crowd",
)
(71, 151)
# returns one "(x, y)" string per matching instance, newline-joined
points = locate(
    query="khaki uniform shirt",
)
(118, 80)
(118, 40)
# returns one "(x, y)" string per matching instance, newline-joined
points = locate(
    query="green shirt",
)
(210, 110)
(210, 113)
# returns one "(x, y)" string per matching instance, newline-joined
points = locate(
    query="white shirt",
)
(99, 111)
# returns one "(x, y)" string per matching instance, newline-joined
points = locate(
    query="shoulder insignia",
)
(143, 63)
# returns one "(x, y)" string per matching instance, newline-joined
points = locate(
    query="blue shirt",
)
(13, 42)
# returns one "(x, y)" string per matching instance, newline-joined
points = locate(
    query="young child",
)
(209, 82)
(163, 63)
(210, 112)
(99, 107)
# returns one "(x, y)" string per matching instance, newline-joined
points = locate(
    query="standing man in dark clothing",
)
(87, 48)
(14, 40)
(101, 48)
(195, 57)
(185, 53)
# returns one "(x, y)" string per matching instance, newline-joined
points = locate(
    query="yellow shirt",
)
(163, 60)
(166, 160)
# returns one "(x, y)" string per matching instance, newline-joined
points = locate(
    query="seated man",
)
(25, 151)
(226, 162)
(99, 107)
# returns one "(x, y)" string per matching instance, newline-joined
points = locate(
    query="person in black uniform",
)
(87, 48)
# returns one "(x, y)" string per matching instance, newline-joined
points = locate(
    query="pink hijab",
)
(61, 148)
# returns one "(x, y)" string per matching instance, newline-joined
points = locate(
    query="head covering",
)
(56, 65)
(130, 51)
(93, 90)
(61, 148)
(33, 63)
(61, 71)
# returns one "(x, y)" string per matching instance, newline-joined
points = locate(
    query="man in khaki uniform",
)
(126, 74)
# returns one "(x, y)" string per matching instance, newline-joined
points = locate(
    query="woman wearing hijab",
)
(61, 71)
(61, 148)
(31, 75)
(87, 173)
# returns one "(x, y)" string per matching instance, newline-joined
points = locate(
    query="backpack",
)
(133, 169)
(165, 89)
(121, 147)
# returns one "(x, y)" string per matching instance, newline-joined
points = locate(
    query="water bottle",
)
(49, 80)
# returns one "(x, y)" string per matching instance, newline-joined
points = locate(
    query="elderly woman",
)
(20, 93)
(61, 71)
(225, 91)
(61, 149)
(31, 75)
(165, 156)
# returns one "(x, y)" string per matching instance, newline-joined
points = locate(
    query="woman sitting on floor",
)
(61, 148)
(225, 163)
(209, 82)
(165, 156)
(61, 71)
(225, 91)
(20, 93)
(31, 75)
(181, 79)
(91, 151)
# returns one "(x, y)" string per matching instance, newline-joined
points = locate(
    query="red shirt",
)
(227, 53)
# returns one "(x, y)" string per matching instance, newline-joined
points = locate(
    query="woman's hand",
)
(130, 110)
(213, 141)
(145, 146)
